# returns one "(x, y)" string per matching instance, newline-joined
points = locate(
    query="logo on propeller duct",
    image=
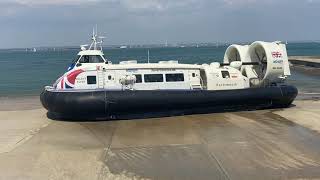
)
(276, 54)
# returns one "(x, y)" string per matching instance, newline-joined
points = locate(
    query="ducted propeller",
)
(260, 57)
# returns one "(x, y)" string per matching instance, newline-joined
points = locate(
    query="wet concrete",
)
(237, 145)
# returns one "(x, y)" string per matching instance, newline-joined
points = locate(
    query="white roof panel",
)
(91, 52)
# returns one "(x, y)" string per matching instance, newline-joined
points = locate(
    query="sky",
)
(35, 23)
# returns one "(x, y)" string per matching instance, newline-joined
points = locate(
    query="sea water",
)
(24, 73)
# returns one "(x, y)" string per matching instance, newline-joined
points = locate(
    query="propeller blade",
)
(255, 51)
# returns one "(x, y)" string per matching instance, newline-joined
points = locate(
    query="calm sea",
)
(26, 73)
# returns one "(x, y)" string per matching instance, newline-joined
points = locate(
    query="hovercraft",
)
(251, 75)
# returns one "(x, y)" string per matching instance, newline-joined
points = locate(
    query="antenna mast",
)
(95, 39)
(148, 56)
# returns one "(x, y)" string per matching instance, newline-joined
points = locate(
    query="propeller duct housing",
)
(272, 61)
(240, 53)
(235, 53)
(269, 61)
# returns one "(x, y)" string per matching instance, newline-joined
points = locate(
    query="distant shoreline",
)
(306, 64)
(151, 45)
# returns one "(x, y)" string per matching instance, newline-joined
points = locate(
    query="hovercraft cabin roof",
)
(91, 52)
(153, 66)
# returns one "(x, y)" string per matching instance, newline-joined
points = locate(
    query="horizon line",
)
(160, 44)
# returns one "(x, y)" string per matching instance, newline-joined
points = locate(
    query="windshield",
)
(91, 59)
(76, 59)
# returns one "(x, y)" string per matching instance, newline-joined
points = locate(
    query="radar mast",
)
(96, 43)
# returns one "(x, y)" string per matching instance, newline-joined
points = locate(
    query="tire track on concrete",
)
(104, 170)
(205, 143)
(279, 152)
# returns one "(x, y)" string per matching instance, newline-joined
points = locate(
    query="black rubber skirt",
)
(109, 103)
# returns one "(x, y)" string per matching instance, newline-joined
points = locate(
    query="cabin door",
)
(194, 78)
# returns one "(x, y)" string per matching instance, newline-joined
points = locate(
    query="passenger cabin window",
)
(148, 78)
(91, 59)
(225, 74)
(91, 80)
(193, 74)
(138, 78)
(174, 77)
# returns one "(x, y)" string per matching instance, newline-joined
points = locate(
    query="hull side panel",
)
(130, 102)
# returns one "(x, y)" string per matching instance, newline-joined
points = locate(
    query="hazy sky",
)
(28, 23)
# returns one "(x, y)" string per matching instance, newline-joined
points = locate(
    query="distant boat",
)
(123, 47)
(34, 50)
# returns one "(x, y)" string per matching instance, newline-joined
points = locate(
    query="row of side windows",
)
(149, 78)
(174, 77)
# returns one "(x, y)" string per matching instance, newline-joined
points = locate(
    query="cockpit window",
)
(76, 59)
(91, 59)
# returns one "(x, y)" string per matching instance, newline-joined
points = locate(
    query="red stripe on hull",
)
(73, 75)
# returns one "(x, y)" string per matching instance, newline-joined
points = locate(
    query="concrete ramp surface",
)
(266, 144)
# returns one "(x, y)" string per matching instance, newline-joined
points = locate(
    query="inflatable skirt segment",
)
(108, 103)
